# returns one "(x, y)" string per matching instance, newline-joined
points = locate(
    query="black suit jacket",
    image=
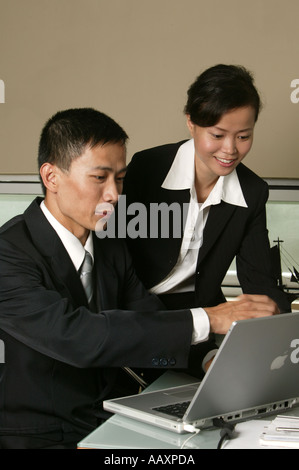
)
(230, 231)
(62, 360)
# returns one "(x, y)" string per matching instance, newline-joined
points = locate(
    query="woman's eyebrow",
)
(241, 130)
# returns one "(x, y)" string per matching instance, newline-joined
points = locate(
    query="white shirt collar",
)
(181, 173)
(71, 243)
(181, 176)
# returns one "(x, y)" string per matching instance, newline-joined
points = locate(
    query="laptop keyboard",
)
(176, 409)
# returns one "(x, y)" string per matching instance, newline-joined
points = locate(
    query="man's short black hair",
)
(68, 133)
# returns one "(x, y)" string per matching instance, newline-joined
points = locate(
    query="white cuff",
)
(201, 325)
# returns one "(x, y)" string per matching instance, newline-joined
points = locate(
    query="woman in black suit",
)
(226, 215)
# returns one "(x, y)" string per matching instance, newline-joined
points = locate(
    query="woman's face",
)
(220, 148)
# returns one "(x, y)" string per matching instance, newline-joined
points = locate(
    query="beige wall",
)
(134, 60)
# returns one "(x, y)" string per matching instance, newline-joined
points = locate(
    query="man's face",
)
(93, 180)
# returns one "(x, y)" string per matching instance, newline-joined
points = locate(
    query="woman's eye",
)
(217, 136)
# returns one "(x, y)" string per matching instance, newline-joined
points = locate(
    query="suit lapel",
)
(52, 251)
(68, 276)
(171, 246)
(219, 216)
(106, 282)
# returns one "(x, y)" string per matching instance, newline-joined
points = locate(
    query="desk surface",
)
(124, 433)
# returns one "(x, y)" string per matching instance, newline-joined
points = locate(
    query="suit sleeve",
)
(254, 258)
(36, 314)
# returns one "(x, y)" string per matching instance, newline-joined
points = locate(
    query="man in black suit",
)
(67, 341)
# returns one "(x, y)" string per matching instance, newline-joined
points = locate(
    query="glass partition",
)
(13, 204)
(283, 226)
(16, 193)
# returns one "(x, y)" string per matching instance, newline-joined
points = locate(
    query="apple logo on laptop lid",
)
(279, 361)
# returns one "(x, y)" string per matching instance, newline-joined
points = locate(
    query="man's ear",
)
(49, 175)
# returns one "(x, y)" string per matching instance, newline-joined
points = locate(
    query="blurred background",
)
(134, 60)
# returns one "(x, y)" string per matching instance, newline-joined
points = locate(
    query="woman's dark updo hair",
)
(218, 90)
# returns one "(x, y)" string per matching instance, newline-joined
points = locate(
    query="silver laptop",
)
(255, 373)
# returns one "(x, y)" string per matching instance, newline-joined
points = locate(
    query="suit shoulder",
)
(149, 168)
(17, 226)
(12, 226)
(15, 240)
(252, 184)
(155, 155)
(245, 172)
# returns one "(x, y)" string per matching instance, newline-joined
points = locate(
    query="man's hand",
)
(244, 307)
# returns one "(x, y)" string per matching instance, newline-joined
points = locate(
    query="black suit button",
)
(155, 361)
(163, 362)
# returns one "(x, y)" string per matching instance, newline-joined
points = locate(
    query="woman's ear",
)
(48, 173)
(190, 125)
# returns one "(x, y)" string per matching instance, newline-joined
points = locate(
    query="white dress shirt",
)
(181, 279)
(71, 243)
